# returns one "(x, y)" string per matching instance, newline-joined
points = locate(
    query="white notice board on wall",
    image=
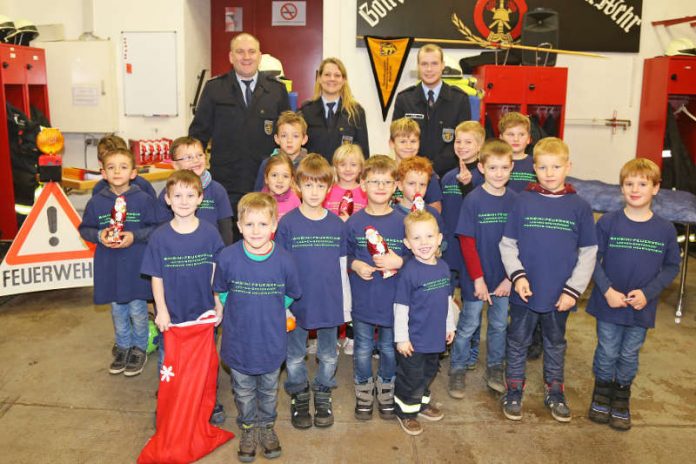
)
(148, 61)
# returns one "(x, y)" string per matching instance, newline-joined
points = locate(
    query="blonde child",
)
(348, 162)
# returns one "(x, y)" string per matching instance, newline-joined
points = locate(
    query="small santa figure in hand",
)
(118, 219)
(418, 203)
(377, 246)
(346, 206)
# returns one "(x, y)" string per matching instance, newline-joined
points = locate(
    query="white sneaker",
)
(348, 347)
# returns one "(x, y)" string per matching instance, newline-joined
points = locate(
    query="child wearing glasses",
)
(187, 153)
(372, 287)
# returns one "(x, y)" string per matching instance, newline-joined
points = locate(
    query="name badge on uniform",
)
(346, 139)
(414, 116)
(447, 135)
(268, 126)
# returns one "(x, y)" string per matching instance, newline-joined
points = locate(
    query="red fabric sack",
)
(186, 395)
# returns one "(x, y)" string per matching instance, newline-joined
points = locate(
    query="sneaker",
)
(299, 410)
(410, 426)
(323, 409)
(364, 400)
(512, 404)
(247, 444)
(385, 399)
(455, 388)
(218, 416)
(555, 401)
(431, 413)
(118, 365)
(136, 362)
(348, 347)
(495, 378)
(600, 407)
(312, 346)
(269, 442)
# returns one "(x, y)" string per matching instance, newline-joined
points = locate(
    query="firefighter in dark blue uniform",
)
(237, 112)
(333, 116)
(437, 108)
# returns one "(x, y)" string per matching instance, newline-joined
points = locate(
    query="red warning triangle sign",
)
(50, 232)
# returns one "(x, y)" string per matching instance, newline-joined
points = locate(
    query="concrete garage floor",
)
(58, 404)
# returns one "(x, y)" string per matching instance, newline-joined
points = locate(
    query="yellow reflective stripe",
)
(425, 400)
(407, 408)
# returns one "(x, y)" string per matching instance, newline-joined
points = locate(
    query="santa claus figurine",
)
(346, 205)
(377, 246)
(118, 219)
(418, 203)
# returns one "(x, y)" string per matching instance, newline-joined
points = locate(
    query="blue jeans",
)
(616, 356)
(362, 352)
(519, 337)
(469, 322)
(130, 324)
(256, 397)
(296, 366)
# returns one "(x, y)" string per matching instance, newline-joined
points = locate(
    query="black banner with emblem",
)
(585, 25)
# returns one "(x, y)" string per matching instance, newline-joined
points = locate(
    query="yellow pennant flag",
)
(387, 57)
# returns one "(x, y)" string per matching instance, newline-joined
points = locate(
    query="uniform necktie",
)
(330, 113)
(431, 101)
(247, 91)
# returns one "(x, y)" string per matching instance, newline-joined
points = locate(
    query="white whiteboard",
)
(149, 73)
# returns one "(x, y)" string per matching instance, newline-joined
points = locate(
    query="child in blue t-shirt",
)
(187, 153)
(180, 259)
(456, 185)
(261, 280)
(118, 256)
(638, 257)
(404, 140)
(548, 248)
(483, 216)
(112, 142)
(514, 128)
(423, 322)
(316, 239)
(414, 175)
(372, 287)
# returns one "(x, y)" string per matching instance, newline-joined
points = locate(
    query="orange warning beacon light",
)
(50, 142)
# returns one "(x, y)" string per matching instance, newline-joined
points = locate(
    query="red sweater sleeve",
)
(471, 257)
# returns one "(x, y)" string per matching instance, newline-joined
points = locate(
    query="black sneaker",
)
(495, 378)
(512, 404)
(218, 416)
(247, 444)
(620, 417)
(455, 387)
(120, 355)
(323, 409)
(555, 401)
(601, 402)
(269, 442)
(299, 410)
(136, 362)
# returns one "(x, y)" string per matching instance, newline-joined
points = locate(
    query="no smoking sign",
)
(289, 13)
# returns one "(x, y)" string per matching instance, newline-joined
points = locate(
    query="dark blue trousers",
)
(519, 336)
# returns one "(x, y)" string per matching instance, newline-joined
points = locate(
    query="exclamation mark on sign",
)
(52, 214)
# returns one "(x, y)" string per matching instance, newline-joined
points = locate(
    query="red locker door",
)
(299, 48)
